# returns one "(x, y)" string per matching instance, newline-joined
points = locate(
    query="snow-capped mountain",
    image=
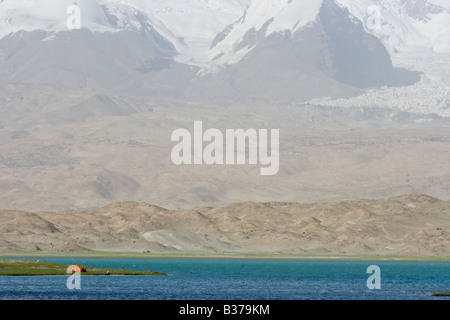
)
(116, 45)
(409, 27)
(194, 22)
(281, 49)
(406, 27)
(260, 20)
(212, 32)
(189, 25)
(289, 57)
(86, 115)
(49, 15)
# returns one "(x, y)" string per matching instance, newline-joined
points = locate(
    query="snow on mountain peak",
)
(262, 18)
(194, 22)
(407, 27)
(197, 28)
(189, 25)
(49, 15)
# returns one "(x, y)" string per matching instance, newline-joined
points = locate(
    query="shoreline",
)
(33, 268)
(224, 256)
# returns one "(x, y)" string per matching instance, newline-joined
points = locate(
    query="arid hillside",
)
(410, 225)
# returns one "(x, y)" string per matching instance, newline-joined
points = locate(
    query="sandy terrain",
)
(411, 225)
(325, 155)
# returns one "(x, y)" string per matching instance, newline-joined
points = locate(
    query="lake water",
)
(215, 279)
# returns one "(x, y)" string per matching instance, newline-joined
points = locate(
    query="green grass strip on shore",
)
(43, 268)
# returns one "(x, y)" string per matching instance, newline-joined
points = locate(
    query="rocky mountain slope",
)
(260, 50)
(411, 225)
(75, 104)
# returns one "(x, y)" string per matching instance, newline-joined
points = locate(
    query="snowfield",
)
(406, 27)
(430, 95)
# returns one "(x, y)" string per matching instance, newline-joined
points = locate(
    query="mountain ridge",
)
(328, 54)
(403, 25)
(355, 227)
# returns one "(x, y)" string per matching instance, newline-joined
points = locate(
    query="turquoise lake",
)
(216, 279)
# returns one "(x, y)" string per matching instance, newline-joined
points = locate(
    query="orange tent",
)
(78, 267)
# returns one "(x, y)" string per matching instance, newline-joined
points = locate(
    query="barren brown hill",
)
(410, 225)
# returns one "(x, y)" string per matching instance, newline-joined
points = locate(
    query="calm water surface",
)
(211, 279)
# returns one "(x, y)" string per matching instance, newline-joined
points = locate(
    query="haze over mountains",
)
(276, 50)
(361, 100)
